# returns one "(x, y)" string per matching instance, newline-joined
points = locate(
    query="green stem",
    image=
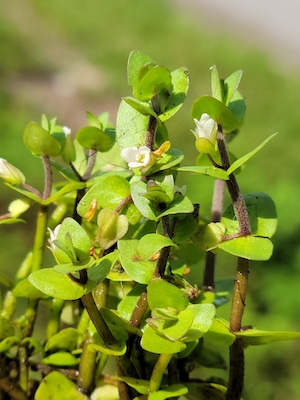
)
(158, 371)
(97, 319)
(54, 318)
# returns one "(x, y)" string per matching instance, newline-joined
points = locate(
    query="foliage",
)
(126, 227)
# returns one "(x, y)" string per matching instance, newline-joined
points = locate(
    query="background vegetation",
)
(61, 58)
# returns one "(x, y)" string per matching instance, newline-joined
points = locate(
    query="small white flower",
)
(137, 156)
(67, 131)
(205, 127)
(53, 237)
(10, 173)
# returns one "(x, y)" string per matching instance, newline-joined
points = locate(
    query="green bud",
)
(10, 174)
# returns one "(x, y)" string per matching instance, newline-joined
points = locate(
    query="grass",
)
(41, 44)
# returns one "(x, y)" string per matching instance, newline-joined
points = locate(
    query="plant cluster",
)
(121, 233)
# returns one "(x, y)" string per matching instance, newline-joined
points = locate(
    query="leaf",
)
(180, 82)
(206, 391)
(216, 110)
(250, 247)
(247, 156)
(81, 242)
(127, 305)
(140, 385)
(176, 329)
(111, 228)
(91, 137)
(172, 391)
(8, 342)
(147, 208)
(136, 61)
(25, 289)
(40, 142)
(255, 337)
(6, 328)
(151, 244)
(56, 385)
(231, 84)
(61, 359)
(154, 343)
(206, 170)
(219, 333)
(59, 285)
(261, 212)
(65, 339)
(162, 294)
(203, 318)
(217, 89)
(131, 126)
(180, 205)
(140, 106)
(139, 271)
(238, 107)
(208, 356)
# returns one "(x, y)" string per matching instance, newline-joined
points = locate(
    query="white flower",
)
(10, 174)
(205, 127)
(137, 156)
(53, 237)
(67, 131)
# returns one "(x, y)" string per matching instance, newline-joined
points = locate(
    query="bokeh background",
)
(64, 57)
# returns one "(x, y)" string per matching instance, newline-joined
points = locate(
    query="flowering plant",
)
(126, 243)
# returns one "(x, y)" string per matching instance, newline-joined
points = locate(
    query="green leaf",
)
(91, 137)
(206, 170)
(176, 329)
(117, 348)
(238, 107)
(250, 247)
(66, 340)
(154, 343)
(152, 243)
(131, 126)
(147, 208)
(56, 385)
(203, 318)
(155, 82)
(40, 142)
(71, 187)
(140, 106)
(230, 85)
(118, 326)
(216, 110)
(247, 156)
(136, 61)
(59, 285)
(217, 88)
(81, 242)
(219, 333)
(208, 356)
(26, 193)
(93, 120)
(127, 305)
(168, 160)
(205, 391)
(262, 215)
(25, 289)
(140, 271)
(172, 391)
(180, 82)
(255, 337)
(157, 298)
(209, 236)
(111, 228)
(61, 359)
(140, 385)
(180, 205)
(8, 342)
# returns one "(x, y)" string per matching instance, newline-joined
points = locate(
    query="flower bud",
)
(206, 134)
(69, 153)
(10, 174)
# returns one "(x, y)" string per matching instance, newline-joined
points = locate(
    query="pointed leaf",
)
(247, 156)
(172, 391)
(180, 205)
(136, 61)
(254, 337)
(66, 339)
(206, 170)
(61, 359)
(152, 243)
(217, 89)
(231, 84)
(142, 107)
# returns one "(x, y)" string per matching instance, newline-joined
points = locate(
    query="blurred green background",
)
(64, 57)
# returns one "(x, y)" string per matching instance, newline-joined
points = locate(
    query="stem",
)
(90, 164)
(150, 134)
(236, 373)
(48, 177)
(98, 321)
(210, 261)
(12, 389)
(158, 371)
(139, 310)
(54, 319)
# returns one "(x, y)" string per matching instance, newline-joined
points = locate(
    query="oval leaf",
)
(40, 142)
(250, 247)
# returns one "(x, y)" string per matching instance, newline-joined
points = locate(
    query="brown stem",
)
(150, 134)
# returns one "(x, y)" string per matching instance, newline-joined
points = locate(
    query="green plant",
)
(121, 233)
